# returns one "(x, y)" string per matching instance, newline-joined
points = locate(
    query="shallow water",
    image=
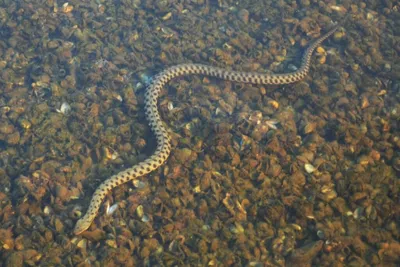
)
(321, 189)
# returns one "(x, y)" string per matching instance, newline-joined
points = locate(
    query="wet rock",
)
(303, 256)
(184, 155)
(244, 15)
(16, 259)
(95, 235)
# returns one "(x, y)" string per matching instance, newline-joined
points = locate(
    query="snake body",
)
(163, 139)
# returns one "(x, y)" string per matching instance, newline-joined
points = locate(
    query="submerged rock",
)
(304, 255)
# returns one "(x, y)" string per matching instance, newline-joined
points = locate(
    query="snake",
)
(163, 148)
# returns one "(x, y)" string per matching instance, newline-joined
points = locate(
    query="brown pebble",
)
(244, 15)
(13, 138)
(62, 192)
(58, 225)
(16, 259)
(144, 253)
(7, 128)
(305, 254)
(95, 235)
(6, 239)
(182, 155)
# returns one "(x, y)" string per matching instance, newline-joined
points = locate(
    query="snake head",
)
(82, 225)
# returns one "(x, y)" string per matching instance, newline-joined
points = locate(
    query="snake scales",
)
(163, 139)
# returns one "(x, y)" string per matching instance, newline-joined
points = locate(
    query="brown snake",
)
(163, 139)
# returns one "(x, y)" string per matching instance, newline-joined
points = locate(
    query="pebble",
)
(244, 15)
(309, 168)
